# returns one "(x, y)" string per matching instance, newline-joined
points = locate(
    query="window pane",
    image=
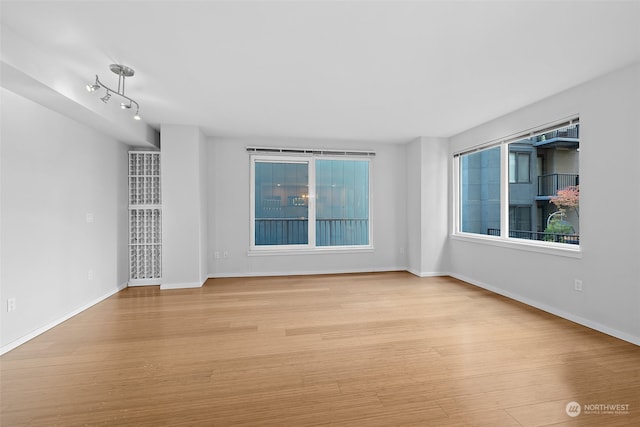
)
(480, 192)
(281, 203)
(512, 167)
(342, 202)
(523, 167)
(556, 174)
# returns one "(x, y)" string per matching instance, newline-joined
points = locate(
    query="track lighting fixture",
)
(122, 71)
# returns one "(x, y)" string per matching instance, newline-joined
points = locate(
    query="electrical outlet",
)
(216, 254)
(577, 285)
(89, 217)
(11, 304)
(90, 274)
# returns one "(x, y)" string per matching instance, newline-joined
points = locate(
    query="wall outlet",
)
(89, 217)
(577, 285)
(90, 274)
(11, 304)
(216, 254)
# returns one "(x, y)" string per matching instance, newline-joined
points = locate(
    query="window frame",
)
(503, 240)
(310, 247)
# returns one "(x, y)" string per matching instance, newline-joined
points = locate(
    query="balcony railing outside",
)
(568, 132)
(281, 231)
(329, 232)
(342, 232)
(548, 185)
(573, 239)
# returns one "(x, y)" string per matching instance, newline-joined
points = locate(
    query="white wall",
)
(203, 184)
(415, 197)
(229, 215)
(427, 205)
(184, 206)
(609, 110)
(55, 171)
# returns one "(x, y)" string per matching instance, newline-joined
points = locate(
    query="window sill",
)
(550, 248)
(310, 251)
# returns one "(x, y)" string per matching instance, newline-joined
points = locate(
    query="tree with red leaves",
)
(567, 198)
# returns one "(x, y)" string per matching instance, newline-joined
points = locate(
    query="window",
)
(309, 202)
(539, 203)
(480, 191)
(557, 151)
(342, 202)
(519, 167)
(281, 203)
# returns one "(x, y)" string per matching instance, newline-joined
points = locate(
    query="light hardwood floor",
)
(358, 349)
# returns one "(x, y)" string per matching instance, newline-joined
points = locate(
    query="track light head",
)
(136, 116)
(93, 87)
(125, 106)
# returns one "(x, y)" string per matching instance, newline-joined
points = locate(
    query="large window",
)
(310, 202)
(532, 203)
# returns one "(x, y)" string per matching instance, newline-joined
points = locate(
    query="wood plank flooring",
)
(379, 349)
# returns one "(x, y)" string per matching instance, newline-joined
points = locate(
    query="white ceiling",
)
(378, 71)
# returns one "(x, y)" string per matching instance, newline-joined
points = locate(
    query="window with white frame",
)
(500, 194)
(308, 202)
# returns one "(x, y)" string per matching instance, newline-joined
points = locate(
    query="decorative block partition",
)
(145, 219)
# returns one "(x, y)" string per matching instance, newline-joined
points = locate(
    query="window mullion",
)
(252, 203)
(312, 204)
(504, 191)
(456, 228)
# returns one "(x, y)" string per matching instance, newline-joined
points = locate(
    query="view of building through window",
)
(281, 208)
(543, 188)
(342, 202)
(480, 191)
(284, 213)
(556, 171)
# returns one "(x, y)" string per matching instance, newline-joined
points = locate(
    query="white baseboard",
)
(45, 328)
(553, 310)
(144, 282)
(306, 272)
(168, 286)
(427, 273)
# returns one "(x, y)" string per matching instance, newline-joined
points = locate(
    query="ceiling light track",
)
(123, 72)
